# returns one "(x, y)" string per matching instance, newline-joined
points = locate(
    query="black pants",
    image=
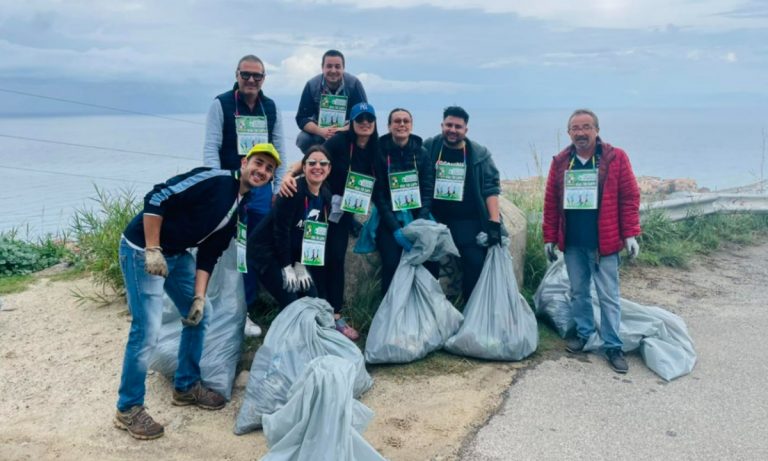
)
(331, 287)
(272, 280)
(472, 255)
(390, 252)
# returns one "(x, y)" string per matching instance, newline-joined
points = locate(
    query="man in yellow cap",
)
(200, 209)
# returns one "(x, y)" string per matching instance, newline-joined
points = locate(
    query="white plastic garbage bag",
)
(414, 318)
(321, 421)
(304, 330)
(226, 311)
(660, 335)
(498, 323)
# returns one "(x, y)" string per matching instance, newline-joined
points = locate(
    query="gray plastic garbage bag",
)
(498, 323)
(304, 330)
(414, 318)
(552, 299)
(320, 420)
(661, 336)
(226, 311)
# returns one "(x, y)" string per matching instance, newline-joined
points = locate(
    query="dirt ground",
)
(60, 364)
(60, 367)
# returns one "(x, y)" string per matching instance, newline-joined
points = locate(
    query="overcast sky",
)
(174, 56)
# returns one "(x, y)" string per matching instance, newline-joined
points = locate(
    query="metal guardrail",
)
(747, 199)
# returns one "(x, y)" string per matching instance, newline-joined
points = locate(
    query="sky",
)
(174, 56)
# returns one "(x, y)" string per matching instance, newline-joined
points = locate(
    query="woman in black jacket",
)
(400, 152)
(352, 150)
(278, 248)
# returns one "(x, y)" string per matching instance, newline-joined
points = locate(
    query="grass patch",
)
(436, 363)
(15, 283)
(97, 233)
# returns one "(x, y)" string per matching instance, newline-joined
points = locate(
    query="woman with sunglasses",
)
(289, 262)
(402, 193)
(352, 153)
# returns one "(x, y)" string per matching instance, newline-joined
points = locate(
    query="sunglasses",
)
(257, 77)
(315, 162)
(365, 118)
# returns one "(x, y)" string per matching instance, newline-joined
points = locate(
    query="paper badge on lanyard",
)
(404, 190)
(313, 243)
(449, 181)
(580, 190)
(251, 130)
(333, 111)
(357, 193)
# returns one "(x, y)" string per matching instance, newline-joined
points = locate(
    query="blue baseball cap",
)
(362, 108)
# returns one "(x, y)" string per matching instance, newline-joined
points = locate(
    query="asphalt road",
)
(576, 407)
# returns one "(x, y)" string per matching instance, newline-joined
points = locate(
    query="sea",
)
(50, 167)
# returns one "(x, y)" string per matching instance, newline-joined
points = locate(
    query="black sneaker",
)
(575, 344)
(616, 360)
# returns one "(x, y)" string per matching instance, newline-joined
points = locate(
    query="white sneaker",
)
(251, 329)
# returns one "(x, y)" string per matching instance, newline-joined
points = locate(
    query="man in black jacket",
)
(466, 194)
(194, 209)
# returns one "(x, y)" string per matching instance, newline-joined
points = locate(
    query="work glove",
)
(290, 284)
(494, 233)
(402, 241)
(549, 252)
(633, 248)
(303, 278)
(195, 312)
(154, 262)
(336, 212)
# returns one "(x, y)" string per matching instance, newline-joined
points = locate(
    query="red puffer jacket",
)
(618, 215)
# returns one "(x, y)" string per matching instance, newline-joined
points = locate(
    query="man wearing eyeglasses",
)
(326, 101)
(238, 120)
(591, 212)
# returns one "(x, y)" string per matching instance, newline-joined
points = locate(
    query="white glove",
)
(336, 212)
(195, 312)
(290, 284)
(633, 248)
(549, 251)
(154, 262)
(303, 279)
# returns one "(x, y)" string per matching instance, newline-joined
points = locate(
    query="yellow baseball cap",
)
(265, 148)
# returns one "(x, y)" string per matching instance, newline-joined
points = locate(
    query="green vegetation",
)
(14, 283)
(97, 234)
(20, 257)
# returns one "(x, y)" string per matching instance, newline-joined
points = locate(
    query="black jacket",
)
(228, 155)
(192, 205)
(277, 238)
(486, 177)
(412, 156)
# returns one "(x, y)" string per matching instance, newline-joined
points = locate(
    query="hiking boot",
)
(200, 396)
(344, 328)
(138, 423)
(616, 360)
(575, 344)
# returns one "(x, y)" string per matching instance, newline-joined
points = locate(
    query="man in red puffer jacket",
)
(592, 211)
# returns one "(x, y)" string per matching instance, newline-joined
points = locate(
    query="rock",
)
(53, 270)
(651, 185)
(362, 270)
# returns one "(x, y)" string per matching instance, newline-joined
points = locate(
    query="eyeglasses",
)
(257, 76)
(401, 121)
(365, 118)
(575, 128)
(315, 162)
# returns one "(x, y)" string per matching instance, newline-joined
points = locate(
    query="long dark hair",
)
(352, 136)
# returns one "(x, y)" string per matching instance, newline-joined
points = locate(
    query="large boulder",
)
(362, 270)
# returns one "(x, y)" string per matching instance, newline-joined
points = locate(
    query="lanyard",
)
(325, 90)
(351, 153)
(237, 110)
(573, 159)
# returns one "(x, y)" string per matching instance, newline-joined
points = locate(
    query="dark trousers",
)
(472, 255)
(390, 252)
(332, 287)
(272, 280)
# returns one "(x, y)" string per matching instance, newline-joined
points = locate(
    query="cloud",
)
(617, 14)
(375, 83)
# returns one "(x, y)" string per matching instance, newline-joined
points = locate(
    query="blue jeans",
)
(583, 266)
(145, 302)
